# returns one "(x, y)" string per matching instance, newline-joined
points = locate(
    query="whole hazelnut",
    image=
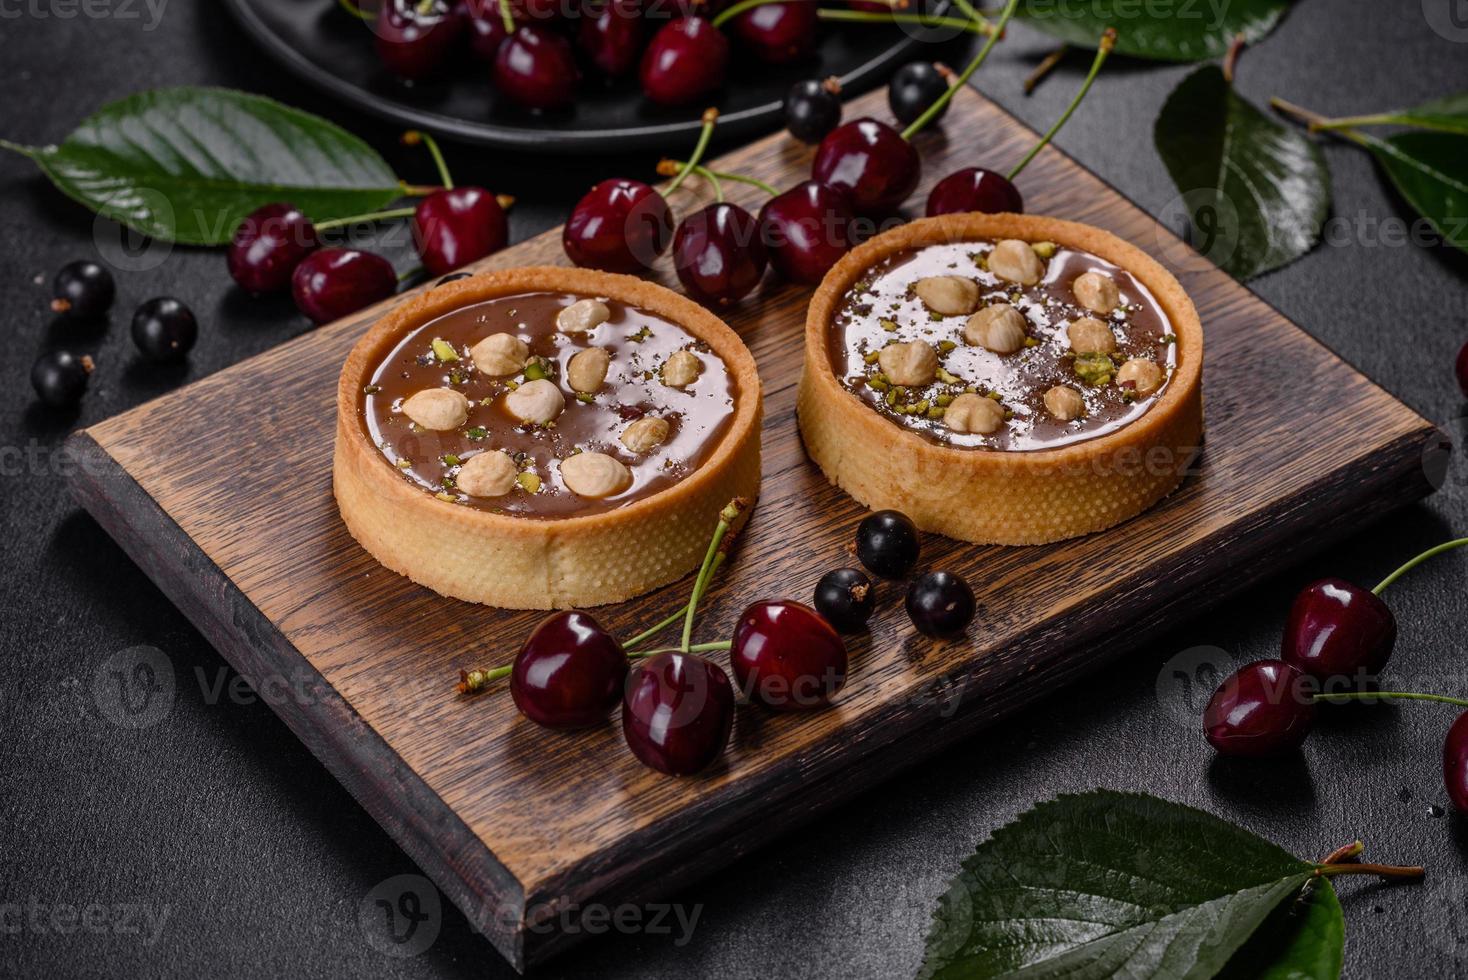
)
(681, 369)
(588, 369)
(1142, 376)
(911, 365)
(500, 354)
(1065, 404)
(1089, 335)
(973, 413)
(1000, 328)
(1015, 261)
(594, 475)
(948, 295)
(1096, 292)
(537, 402)
(487, 474)
(584, 314)
(645, 434)
(439, 409)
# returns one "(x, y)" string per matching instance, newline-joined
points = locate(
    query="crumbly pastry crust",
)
(1002, 497)
(525, 563)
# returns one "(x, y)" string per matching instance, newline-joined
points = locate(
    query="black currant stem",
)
(1429, 553)
(727, 517)
(1231, 57)
(706, 173)
(413, 137)
(704, 135)
(1380, 870)
(1103, 50)
(362, 218)
(1398, 695)
(983, 28)
(941, 101)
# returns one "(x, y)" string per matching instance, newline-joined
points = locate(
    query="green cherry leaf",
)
(1303, 939)
(1256, 191)
(1429, 170)
(187, 164)
(1182, 30)
(1105, 884)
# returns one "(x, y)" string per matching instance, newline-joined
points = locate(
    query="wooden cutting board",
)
(221, 492)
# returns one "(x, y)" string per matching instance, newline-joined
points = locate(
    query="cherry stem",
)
(1231, 58)
(942, 101)
(652, 631)
(704, 135)
(413, 137)
(417, 190)
(1429, 553)
(669, 167)
(970, 11)
(727, 517)
(361, 218)
(506, 16)
(1400, 695)
(1103, 49)
(356, 11)
(474, 681)
(1315, 122)
(926, 20)
(716, 645)
(1355, 868)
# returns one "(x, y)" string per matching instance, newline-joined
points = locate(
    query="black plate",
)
(332, 50)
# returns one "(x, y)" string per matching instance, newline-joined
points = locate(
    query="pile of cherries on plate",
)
(678, 705)
(1337, 641)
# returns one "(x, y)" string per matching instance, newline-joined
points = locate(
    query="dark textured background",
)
(217, 818)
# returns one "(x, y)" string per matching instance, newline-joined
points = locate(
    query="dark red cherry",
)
(610, 34)
(455, 227)
(334, 282)
(415, 39)
(536, 68)
(268, 245)
(1337, 629)
(485, 26)
(779, 33)
(685, 61)
(871, 162)
(1262, 709)
(786, 656)
(618, 226)
(806, 230)
(1455, 763)
(569, 673)
(718, 254)
(974, 189)
(1461, 365)
(677, 712)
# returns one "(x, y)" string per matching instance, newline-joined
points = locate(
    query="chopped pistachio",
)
(449, 459)
(944, 400)
(1169, 338)
(529, 481)
(404, 464)
(371, 389)
(936, 412)
(446, 497)
(889, 325)
(585, 397)
(476, 432)
(457, 377)
(444, 351)
(946, 346)
(947, 378)
(1094, 369)
(1044, 250)
(1031, 342)
(878, 383)
(871, 356)
(539, 369)
(992, 394)
(641, 335)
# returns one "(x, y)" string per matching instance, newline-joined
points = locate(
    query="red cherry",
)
(455, 227)
(268, 245)
(685, 61)
(806, 230)
(1337, 629)
(718, 254)
(415, 40)
(610, 34)
(870, 162)
(1455, 763)
(536, 68)
(335, 282)
(677, 712)
(485, 26)
(786, 656)
(569, 673)
(1262, 709)
(618, 226)
(974, 189)
(779, 32)
(1462, 368)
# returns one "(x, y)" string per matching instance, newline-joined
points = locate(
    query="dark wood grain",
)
(221, 492)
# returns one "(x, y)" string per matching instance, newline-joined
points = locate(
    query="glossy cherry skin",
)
(455, 227)
(786, 656)
(974, 189)
(871, 162)
(485, 26)
(536, 68)
(415, 43)
(718, 254)
(677, 712)
(610, 34)
(1261, 709)
(618, 226)
(685, 61)
(268, 245)
(1461, 366)
(334, 282)
(1455, 763)
(569, 673)
(778, 33)
(806, 230)
(1337, 629)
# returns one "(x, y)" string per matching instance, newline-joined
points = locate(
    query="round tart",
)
(543, 438)
(1002, 379)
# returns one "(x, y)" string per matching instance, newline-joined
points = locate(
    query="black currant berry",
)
(60, 378)
(887, 543)
(82, 288)
(914, 88)
(940, 604)
(846, 598)
(164, 329)
(813, 109)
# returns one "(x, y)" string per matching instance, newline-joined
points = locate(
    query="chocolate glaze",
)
(1020, 379)
(638, 342)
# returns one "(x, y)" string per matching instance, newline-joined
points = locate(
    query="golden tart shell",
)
(1002, 497)
(530, 563)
